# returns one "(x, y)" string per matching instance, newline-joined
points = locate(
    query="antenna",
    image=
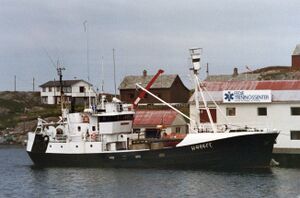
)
(59, 73)
(114, 72)
(102, 76)
(85, 25)
(51, 60)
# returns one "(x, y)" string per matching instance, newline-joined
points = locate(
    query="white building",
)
(79, 90)
(260, 104)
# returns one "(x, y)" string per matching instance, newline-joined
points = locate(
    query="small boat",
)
(102, 136)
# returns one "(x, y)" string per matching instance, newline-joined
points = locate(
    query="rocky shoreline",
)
(18, 115)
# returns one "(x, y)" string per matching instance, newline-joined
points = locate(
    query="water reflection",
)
(20, 179)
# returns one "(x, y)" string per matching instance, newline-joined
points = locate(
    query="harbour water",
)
(20, 179)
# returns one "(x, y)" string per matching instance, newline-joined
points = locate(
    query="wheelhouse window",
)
(115, 118)
(262, 111)
(230, 111)
(295, 135)
(295, 111)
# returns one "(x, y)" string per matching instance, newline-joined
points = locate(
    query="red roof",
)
(254, 85)
(154, 117)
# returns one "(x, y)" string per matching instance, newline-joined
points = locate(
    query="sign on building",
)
(247, 96)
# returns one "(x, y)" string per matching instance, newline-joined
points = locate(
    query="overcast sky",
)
(145, 35)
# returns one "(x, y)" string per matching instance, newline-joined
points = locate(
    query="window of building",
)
(131, 96)
(230, 111)
(177, 129)
(295, 135)
(44, 89)
(81, 89)
(67, 89)
(295, 110)
(58, 89)
(45, 100)
(50, 89)
(262, 111)
(93, 128)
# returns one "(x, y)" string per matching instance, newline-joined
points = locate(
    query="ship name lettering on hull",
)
(202, 146)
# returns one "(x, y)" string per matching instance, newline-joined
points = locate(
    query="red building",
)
(296, 58)
(170, 88)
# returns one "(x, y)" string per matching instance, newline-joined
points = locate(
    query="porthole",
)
(111, 157)
(91, 145)
(76, 146)
(61, 146)
(50, 146)
(138, 156)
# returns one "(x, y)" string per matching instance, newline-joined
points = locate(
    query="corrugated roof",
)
(154, 117)
(66, 83)
(297, 50)
(229, 77)
(254, 85)
(163, 81)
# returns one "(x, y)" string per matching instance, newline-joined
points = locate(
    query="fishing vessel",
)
(102, 136)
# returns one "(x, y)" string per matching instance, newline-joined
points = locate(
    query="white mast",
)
(114, 61)
(196, 57)
(87, 58)
(102, 76)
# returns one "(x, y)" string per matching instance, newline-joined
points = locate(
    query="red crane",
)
(142, 93)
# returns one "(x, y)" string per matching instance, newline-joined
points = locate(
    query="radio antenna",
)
(85, 25)
(114, 72)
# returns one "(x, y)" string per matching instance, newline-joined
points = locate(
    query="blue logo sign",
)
(228, 96)
(247, 96)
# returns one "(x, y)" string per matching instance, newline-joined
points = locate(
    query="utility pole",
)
(207, 70)
(33, 84)
(15, 83)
